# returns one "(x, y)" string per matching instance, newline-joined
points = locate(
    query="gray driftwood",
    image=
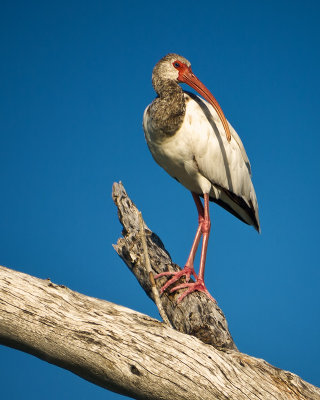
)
(196, 315)
(128, 352)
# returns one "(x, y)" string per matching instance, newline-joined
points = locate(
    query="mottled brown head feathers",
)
(165, 71)
(167, 111)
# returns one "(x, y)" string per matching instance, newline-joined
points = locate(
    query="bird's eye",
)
(176, 64)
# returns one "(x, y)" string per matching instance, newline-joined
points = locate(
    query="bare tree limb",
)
(128, 352)
(196, 315)
(131, 353)
(155, 293)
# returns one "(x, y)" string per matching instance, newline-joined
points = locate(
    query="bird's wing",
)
(225, 164)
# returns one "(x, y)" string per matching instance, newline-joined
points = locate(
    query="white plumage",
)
(193, 141)
(200, 157)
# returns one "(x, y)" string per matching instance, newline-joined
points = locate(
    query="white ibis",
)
(191, 139)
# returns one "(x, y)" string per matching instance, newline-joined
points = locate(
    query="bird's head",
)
(177, 68)
(171, 67)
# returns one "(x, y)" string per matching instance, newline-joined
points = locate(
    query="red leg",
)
(188, 270)
(204, 225)
(197, 238)
(205, 228)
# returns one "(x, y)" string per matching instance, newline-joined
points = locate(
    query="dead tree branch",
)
(131, 353)
(196, 315)
(128, 352)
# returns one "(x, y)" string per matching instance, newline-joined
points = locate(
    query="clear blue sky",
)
(75, 77)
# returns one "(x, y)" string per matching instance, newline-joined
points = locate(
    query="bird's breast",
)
(199, 156)
(175, 153)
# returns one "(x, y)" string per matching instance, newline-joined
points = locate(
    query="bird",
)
(190, 138)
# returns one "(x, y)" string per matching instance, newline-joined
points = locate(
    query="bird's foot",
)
(187, 271)
(197, 286)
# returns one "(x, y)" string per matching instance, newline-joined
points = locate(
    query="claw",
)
(198, 286)
(186, 271)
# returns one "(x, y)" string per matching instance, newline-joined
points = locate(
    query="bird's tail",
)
(247, 212)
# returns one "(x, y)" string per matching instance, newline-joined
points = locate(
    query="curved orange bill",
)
(190, 79)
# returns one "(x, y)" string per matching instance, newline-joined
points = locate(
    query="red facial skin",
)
(187, 76)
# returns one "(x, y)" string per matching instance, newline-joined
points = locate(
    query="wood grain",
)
(196, 315)
(128, 352)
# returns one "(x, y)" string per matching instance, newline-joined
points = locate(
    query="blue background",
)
(75, 78)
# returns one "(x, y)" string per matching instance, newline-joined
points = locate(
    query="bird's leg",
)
(196, 241)
(204, 225)
(188, 269)
(205, 229)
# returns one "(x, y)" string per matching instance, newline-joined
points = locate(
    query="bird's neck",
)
(168, 110)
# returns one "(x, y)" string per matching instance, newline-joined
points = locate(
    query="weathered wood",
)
(155, 292)
(128, 352)
(196, 315)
